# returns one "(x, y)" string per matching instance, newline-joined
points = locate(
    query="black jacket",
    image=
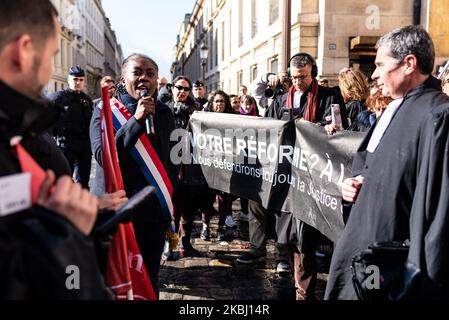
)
(126, 138)
(404, 196)
(182, 111)
(201, 101)
(72, 131)
(36, 245)
(353, 108)
(326, 97)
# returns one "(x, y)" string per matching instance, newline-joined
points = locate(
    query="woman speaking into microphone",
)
(143, 150)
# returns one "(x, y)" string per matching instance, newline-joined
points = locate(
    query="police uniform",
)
(72, 131)
(202, 101)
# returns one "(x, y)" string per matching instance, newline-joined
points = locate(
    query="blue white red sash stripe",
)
(149, 162)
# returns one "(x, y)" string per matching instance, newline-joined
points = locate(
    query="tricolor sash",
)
(148, 160)
(126, 273)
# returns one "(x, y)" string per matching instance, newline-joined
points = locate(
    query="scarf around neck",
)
(312, 100)
(251, 113)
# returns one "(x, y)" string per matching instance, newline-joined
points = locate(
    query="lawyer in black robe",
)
(404, 196)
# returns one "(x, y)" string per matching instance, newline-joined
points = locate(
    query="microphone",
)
(149, 122)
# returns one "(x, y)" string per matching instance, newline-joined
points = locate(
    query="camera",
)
(272, 92)
(286, 114)
(180, 107)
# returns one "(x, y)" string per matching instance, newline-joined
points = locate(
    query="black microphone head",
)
(144, 93)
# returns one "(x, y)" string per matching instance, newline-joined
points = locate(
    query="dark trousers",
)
(244, 205)
(258, 217)
(200, 198)
(80, 162)
(184, 214)
(150, 236)
(225, 201)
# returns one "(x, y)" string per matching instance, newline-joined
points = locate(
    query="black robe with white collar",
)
(405, 195)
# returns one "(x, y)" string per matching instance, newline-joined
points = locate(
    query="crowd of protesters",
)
(398, 192)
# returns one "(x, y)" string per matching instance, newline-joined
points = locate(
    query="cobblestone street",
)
(218, 276)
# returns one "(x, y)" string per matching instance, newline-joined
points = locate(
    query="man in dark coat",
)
(42, 244)
(402, 174)
(140, 73)
(72, 131)
(199, 93)
(312, 102)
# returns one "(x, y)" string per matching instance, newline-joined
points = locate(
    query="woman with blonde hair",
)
(354, 89)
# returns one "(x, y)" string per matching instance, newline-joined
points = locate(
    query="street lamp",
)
(204, 52)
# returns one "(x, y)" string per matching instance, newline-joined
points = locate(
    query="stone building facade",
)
(88, 40)
(245, 37)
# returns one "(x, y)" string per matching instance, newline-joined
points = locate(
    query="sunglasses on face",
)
(181, 88)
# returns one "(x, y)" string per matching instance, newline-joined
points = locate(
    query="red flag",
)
(126, 273)
(28, 164)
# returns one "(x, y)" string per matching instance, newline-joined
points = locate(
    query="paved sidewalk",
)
(217, 276)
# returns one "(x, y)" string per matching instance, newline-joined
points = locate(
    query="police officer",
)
(199, 93)
(72, 132)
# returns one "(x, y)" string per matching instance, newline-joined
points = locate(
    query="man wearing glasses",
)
(72, 131)
(307, 100)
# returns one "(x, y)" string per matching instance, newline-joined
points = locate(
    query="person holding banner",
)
(307, 100)
(46, 233)
(219, 102)
(144, 157)
(405, 158)
(182, 106)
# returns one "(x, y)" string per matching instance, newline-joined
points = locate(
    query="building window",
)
(240, 78)
(230, 34)
(240, 23)
(61, 61)
(274, 11)
(274, 65)
(223, 32)
(211, 51)
(253, 18)
(254, 73)
(216, 47)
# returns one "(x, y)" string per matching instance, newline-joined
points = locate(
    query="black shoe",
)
(248, 257)
(189, 251)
